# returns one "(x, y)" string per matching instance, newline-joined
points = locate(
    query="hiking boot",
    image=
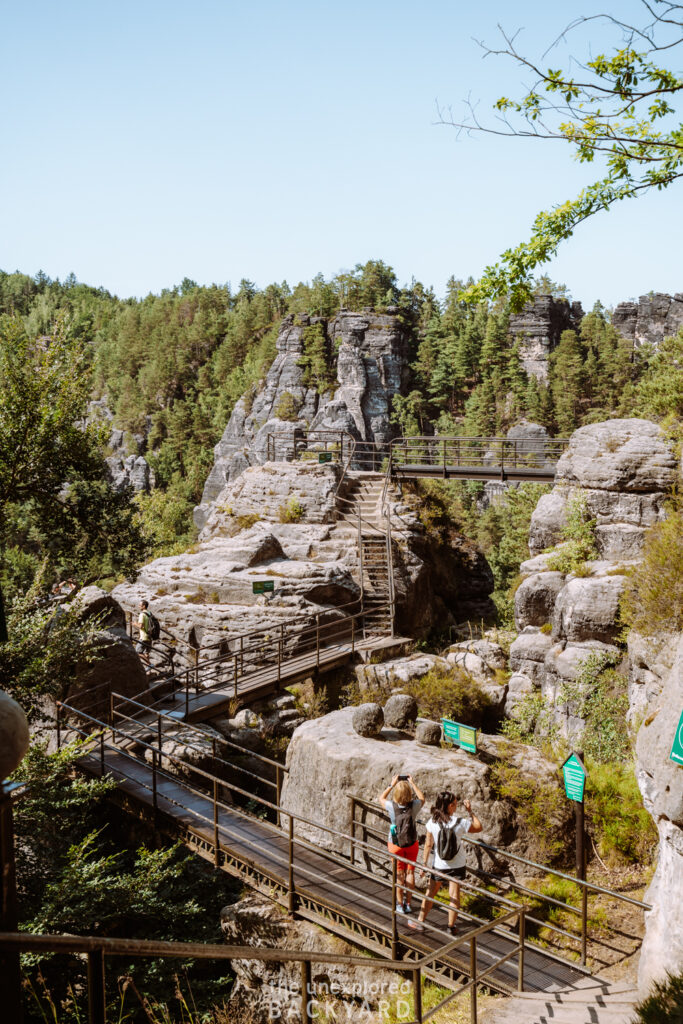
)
(399, 908)
(407, 909)
(416, 926)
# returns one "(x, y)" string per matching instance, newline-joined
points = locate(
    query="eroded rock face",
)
(651, 319)
(539, 327)
(587, 609)
(329, 762)
(269, 991)
(127, 468)
(371, 364)
(656, 693)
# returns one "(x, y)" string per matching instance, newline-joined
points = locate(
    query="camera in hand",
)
(403, 778)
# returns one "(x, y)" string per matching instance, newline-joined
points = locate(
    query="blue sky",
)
(145, 142)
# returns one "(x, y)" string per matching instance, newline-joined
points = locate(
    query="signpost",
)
(463, 736)
(575, 774)
(263, 587)
(677, 747)
(324, 456)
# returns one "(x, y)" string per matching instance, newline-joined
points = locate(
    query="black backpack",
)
(153, 627)
(403, 831)
(447, 844)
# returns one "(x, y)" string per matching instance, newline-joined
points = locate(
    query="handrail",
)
(338, 834)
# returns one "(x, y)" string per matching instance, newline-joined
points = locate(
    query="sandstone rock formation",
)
(371, 364)
(650, 319)
(329, 762)
(117, 667)
(14, 734)
(656, 698)
(538, 328)
(622, 471)
(127, 467)
(268, 991)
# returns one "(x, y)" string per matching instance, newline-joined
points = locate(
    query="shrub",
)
(287, 407)
(246, 522)
(598, 695)
(292, 512)
(625, 831)
(578, 535)
(652, 601)
(454, 694)
(664, 1003)
(539, 804)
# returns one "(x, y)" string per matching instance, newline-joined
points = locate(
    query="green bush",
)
(652, 601)
(578, 535)
(288, 407)
(454, 694)
(292, 512)
(540, 805)
(664, 1004)
(624, 830)
(598, 695)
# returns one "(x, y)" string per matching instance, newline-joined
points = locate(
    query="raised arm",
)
(382, 799)
(416, 790)
(475, 824)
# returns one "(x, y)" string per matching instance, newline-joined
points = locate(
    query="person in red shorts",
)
(403, 809)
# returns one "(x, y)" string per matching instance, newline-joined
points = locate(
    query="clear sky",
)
(144, 142)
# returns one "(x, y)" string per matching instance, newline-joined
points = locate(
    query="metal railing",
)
(295, 872)
(96, 949)
(508, 885)
(475, 457)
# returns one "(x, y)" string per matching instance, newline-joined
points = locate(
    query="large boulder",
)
(587, 609)
(535, 598)
(630, 455)
(400, 711)
(368, 720)
(14, 734)
(328, 763)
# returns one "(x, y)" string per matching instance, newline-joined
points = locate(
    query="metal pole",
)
(584, 924)
(102, 753)
(290, 879)
(196, 669)
(10, 965)
(59, 724)
(235, 677)
(187, 695)
(394, 921)
(154, 782)
(417, 994)
(278, 791)
(306, 1014)
(473, 974)
(522, 940)
(317, 643)
(353, 830)
(216, 841)
(96, 993)
(353, 634)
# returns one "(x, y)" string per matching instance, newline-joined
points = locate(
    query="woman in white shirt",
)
(444, 829)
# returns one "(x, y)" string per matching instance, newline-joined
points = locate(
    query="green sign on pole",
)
(677, 747)
(324, 456)
(463, 736)
(574, 778)
(263, 586)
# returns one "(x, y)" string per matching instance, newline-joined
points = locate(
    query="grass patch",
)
(624, 831)
(539, 805)
(292, 512)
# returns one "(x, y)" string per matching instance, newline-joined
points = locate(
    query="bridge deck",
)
(272, 676)
(336, 896)
(495, 471)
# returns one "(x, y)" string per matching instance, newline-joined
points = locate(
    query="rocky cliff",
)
(538, 329)
(650, 319)
(366, 354)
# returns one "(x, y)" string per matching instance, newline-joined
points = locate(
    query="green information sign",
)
(463, 736)
(324, 456)
(263, 586)
(574, 778)
(677, 748)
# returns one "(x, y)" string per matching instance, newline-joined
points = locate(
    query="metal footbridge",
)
(226, 805)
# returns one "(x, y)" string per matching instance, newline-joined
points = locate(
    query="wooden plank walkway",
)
(335, 895)
(215, 699)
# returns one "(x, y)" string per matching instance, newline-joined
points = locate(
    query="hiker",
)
(144, 644)
(403, 809)
(444, 833)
